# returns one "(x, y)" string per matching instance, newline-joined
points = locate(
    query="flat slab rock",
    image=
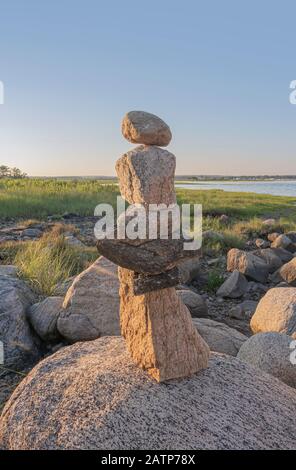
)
(144, 283)
(145, 256)
(91, 396)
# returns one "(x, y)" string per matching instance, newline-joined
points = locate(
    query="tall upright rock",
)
(159, 332)
(156, 325)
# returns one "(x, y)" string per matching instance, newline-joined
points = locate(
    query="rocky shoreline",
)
(208, 359)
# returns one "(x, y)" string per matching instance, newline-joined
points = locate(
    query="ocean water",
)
(276, 188)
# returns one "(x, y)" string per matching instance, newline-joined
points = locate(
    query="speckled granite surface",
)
(91, 396)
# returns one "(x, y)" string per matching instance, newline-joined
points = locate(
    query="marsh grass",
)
(254, 226)
(38, 198)
(50, 260)
(216, 246)
(240, 204)
(8, 251)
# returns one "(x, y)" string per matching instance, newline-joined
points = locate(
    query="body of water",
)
(276, 188)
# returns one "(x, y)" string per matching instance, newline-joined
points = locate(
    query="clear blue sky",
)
(218, 72)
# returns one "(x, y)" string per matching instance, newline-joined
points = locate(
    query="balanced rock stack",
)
(156, 325)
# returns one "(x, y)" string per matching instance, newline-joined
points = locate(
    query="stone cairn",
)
(156, 325)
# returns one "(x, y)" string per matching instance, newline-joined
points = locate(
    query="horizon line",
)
(188, 175)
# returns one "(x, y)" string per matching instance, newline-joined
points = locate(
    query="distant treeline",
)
(6, 172)
(177, 178)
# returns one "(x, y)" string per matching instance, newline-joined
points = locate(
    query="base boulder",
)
(91, 396)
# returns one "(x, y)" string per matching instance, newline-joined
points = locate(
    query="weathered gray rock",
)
(234, 287)
(271, 258)
(8, 270)
(91, 306)
(283, 254)
(257, 287)
(43, 317)
(212, 235)
(282, 241)
(31, 233)
(62, 287)
(142, 283)
(91, 396)
(270, 352)
(244, 311)
(260, 243)
(69, 215)
(20, 344)
(292, 236)
(283, 284)
(140, 127)
(145, 256)
(287, 272)
(189, 269)
(73, 241)
(146, 176)
(194, 302)
(276, 311)
(219, 337)
(248, 264)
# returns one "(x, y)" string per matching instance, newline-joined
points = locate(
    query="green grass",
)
(215, 280)
(48, 261)
(253, 226)
(240, 204)
(215, 247)
(38, 198)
